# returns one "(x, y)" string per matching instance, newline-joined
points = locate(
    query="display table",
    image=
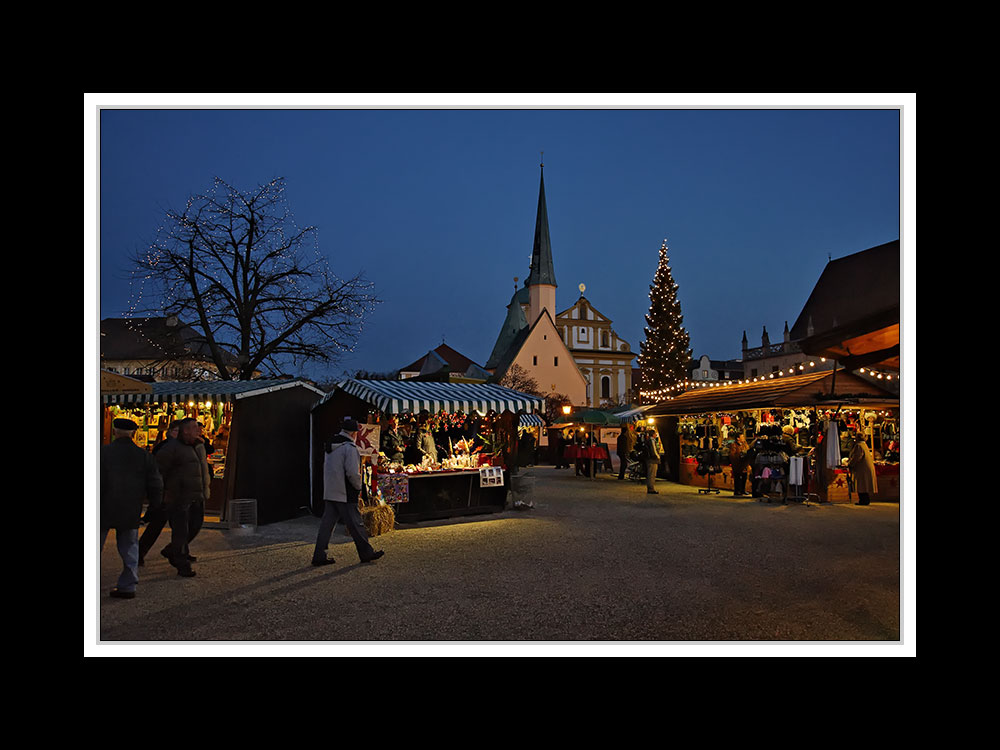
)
(597, 452)
(441, 494)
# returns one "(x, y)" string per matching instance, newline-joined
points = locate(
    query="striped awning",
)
(531, 420)
(217, 391)
(407, 396)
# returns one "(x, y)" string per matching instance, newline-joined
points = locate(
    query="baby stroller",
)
(634, 469)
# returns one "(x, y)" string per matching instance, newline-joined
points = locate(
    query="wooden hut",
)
(259, 433)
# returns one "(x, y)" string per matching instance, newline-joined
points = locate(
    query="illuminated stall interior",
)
(257, 431)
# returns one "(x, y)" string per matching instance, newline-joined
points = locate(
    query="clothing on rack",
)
(832, 442)
(795, 471)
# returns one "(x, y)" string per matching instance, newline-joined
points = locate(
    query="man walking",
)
(341, 487)
(156, 518)
(186, 480)
(129, 476)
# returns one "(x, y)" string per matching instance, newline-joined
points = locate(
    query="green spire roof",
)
(514, 323)
(542, 271)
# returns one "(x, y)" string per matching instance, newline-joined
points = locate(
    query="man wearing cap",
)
(341, 487)
(129, 476)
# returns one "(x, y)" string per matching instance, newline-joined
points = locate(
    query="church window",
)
(605, 387)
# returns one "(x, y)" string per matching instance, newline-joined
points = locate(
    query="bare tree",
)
(520, 379)
(554, 402)
(235, 267)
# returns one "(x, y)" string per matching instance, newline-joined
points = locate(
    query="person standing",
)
(393, 444)
(558, 445)
(862, 466)
(186, 481)
(624, 448)
(129, 476)
(156, 518)
(579, 442)
(426, 445)
(196, 514)
(341, 487)
(650, 450)
(738, 461)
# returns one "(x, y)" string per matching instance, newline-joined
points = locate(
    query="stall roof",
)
(113, 382)
(852, 314)
(634, 415)
(812, 389)
(211, 390)
(402, 396)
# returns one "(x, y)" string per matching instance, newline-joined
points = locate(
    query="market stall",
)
(785, 420)
(529, 438)
(583, 440)
(257, 431)
(458, 443)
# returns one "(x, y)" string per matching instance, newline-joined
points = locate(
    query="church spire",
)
(542, 270)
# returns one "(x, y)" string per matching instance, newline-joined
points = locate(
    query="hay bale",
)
(378, 519)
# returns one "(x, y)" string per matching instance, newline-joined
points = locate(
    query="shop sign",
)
(490, 476)
(395, 488)
(368, 439)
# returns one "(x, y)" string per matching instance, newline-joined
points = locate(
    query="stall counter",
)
(421, 496)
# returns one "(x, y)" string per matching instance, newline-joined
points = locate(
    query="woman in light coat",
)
(862, 466)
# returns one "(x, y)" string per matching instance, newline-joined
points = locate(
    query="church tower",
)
(542, 278)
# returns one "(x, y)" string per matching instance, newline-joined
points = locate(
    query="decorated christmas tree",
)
(665, 353)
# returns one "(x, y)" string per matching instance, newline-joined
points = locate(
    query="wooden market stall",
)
(586, 446)
(791, 412)
(464, 483)
(258, 431)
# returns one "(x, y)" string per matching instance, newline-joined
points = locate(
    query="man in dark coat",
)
(187, 481)
(129, 476)
(156, 518)
(624, 447)
(393, 443)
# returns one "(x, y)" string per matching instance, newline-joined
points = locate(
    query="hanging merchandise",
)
(832, 443)
(795, 473)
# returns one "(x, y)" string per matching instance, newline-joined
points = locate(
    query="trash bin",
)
(243, 515)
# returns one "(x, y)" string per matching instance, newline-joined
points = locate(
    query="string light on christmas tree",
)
(665, 352)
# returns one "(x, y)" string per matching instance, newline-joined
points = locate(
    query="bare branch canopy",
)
(235, 267)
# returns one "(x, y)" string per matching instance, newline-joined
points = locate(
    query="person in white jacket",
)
(341, 487)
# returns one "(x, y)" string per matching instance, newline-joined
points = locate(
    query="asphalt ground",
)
(595, 561)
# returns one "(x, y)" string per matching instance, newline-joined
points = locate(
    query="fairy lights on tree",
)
(234, 266)
(666, 351)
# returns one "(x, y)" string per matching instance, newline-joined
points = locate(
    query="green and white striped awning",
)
(531, 420)
(407, 396)
(217, 391)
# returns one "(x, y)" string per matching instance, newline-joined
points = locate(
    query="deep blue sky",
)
(437, 207)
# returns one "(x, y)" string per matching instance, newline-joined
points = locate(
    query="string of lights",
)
(665, 352)
(688, 384)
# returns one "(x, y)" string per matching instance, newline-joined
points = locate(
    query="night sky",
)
(437, 207)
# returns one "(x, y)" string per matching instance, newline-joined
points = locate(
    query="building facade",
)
(774, 359)
(576, 352)
(604, 358)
